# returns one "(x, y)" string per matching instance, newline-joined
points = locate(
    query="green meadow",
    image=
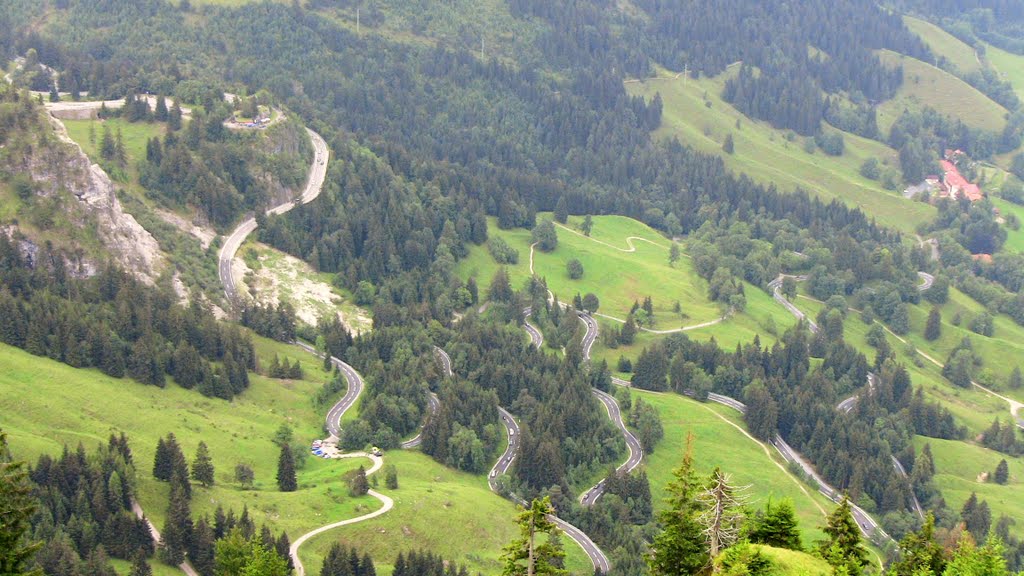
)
(926, 85)
(696, 115)
(47, 404)
(960, 470)
(944, 45)
(750, 462)
(451, 513)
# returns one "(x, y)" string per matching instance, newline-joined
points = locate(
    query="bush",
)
(869, 169)
(501, 251)
(575, 269)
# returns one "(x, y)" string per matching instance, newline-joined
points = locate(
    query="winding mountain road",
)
(535, 335)
(233, 241)
(867, 524)
(636, 451)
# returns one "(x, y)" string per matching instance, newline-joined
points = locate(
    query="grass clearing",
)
(944, 45)
(1014, 238)
(958, 470)
(796, 563)
(926, 85)
(769, 157)
(451, 513)
(133, 134)
(745, 459)
(1009, 65)
(46, 404)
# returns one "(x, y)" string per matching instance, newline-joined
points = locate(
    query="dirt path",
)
(629, 242)
(387, 502)
(718, 320)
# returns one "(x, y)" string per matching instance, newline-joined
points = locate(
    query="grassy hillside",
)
(944, 45)
(1009, 65)
(793, 563)
(619, 277)
(958, 472)
(476, 523)
(750, 462)
(926, 85)
(46, 404)
(768, 156)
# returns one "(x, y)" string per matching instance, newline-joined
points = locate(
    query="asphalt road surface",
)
(596, 555)
(776, 288)
(867, 524)
(314, 184)
(355, 388)
(535, 336)
(926, 281)
(445, 360)
(636, 451)
(433, 403)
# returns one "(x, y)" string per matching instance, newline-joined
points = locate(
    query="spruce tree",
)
(17, 506)
(561, 211)
(162, 462)
(843, 548)
(920, 553)
(777, 526)
(526, 556)
(358, 486)
(202, 466)
(680, 549)
(140, 567)
(176, 537)
(161, 113)
(286, 481)
(174, 117)
(1016, 380)
(1002, 473)
(933, 328)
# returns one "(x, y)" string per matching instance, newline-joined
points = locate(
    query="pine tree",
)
(843, 549)
(17, 506)
(933, 328)
(587, 226)
(728, 145)
(140, 567)
(680, 548)
(628, 332)
(777, 526)
(920, 553)
(1002, 473)
(286, 481)
(202, 466)
(176, 536)
(524, 556)
(673, 254)
(358, 486)
(162, 462)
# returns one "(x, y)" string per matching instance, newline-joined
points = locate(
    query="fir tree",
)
(777, 526)
(140, 566)
(525, 556)
(680, 548)
(17, 505)
(933, 328)
(286, 481)
(843, 549)
(202, 466)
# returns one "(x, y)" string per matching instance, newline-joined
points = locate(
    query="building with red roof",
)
(956, 186)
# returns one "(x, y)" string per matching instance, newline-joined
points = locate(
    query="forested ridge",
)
(428, 139)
